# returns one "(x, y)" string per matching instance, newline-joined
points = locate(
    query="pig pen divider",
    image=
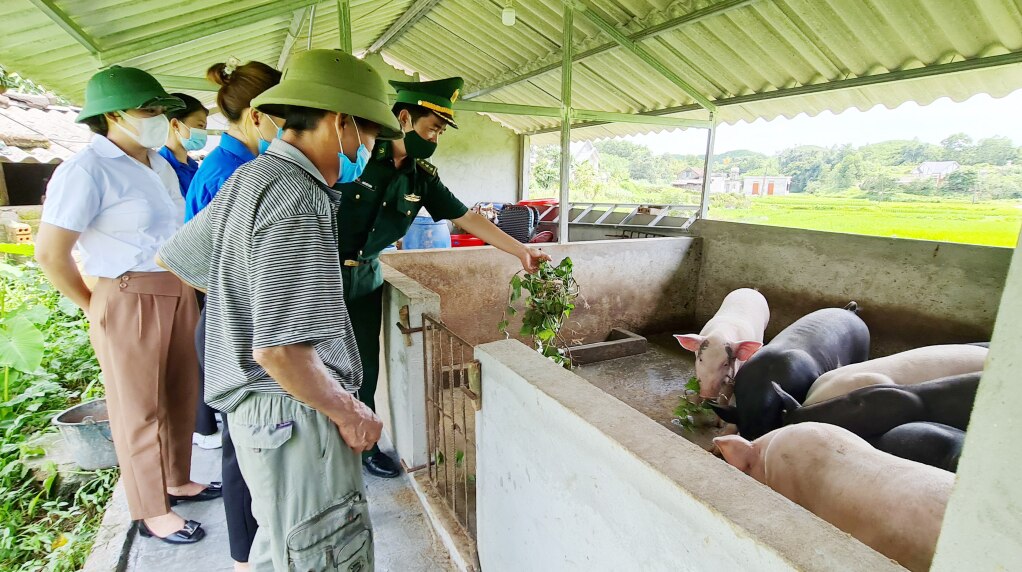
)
(452, 377)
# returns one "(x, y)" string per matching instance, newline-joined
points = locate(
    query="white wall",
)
(405, 415)
(983, 524)
(570, 478)
(480, 160)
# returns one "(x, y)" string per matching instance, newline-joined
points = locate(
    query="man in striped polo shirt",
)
(281, 358)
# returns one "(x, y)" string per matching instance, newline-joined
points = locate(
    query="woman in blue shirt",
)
(248, 133)
(187, 133)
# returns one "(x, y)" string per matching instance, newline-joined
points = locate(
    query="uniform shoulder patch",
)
(426, 167)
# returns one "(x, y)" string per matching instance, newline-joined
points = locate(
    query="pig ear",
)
(790, 403)
(727, 413)
(690, 342)
(744, 350)
(737, 451)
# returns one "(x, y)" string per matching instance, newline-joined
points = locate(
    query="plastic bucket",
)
(425, 233)
(86, 429)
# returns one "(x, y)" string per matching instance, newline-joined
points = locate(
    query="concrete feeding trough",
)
(620, 343)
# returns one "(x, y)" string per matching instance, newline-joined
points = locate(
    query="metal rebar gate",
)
(452, 398)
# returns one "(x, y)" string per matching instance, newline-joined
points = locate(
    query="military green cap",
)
(334, 81)
(437, 96)
(119, 89)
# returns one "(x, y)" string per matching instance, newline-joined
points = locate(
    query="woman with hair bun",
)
(249, 131)
(248, 134)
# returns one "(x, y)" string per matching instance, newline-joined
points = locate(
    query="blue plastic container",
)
(425, 233)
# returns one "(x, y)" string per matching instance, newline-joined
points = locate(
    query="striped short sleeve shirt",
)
(265, 250)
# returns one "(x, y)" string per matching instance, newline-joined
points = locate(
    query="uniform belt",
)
(352, 263)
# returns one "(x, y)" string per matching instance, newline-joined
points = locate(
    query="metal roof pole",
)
(60, 18)
(563, 203)
(344, 24)
(175, 38)
(293, 31)
(715, 9)
(641, 53)
(415, 12)
(312, 22)
(704, 200)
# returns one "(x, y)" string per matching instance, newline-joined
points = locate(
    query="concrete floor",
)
(404, 540)
(652, 383)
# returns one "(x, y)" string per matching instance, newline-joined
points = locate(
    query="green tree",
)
(849, 172)
(957, 147)
(546, 166)
(879, 186)
(962, 181)
(804, 165)
(585, 183)
(997, 150)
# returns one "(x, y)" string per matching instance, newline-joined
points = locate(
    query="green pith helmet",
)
(334, 81)
(437, 96)
(118, 89)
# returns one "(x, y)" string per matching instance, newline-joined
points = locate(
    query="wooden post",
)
(5, 199)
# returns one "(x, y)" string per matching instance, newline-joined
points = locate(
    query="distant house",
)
(692, 179)
(766, 185)
(585, 152)
(937, 170)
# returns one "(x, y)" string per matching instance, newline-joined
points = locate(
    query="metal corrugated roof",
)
(753, 58)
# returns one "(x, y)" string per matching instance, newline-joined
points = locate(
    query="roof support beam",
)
(415, 12)
(179, 36)
(851, 83)
(641, 53)
(715, 9)
(297, 20)
(201, 84)
(174, 82)
(60, 18)
(344, 24)
(584, 114)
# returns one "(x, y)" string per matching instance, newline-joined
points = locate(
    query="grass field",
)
(987, 223)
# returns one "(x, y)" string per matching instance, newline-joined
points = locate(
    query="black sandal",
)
(191, 533)
(212, 491)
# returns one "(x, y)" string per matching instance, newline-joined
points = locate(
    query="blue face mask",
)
(263, 143)
(349, 171)
(196, 139)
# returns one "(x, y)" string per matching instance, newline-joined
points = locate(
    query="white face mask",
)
(151, 131)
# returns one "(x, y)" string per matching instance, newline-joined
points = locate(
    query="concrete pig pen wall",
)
(913, 292)
(570, 478)
(640, 285)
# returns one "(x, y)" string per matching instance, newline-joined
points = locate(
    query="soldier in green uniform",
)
(378, 208)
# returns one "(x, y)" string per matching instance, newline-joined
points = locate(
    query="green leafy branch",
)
(687, 411)
(552, 292)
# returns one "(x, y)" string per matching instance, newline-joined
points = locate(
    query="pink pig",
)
(893, 505)
(730, 338)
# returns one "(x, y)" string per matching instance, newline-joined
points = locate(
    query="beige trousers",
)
(143, 331)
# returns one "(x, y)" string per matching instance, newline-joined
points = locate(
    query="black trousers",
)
(241, 525)
(205, 420)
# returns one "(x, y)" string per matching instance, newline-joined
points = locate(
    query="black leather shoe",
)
(380, 465)
(190, 534)
(212, 491)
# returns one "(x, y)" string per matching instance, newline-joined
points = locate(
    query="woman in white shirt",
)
(119, 200)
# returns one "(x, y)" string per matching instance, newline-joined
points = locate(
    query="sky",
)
(981, 116)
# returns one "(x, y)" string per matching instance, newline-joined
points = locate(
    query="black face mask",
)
(417, 147)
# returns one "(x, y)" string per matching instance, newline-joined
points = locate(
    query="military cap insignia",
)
(454, 96)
